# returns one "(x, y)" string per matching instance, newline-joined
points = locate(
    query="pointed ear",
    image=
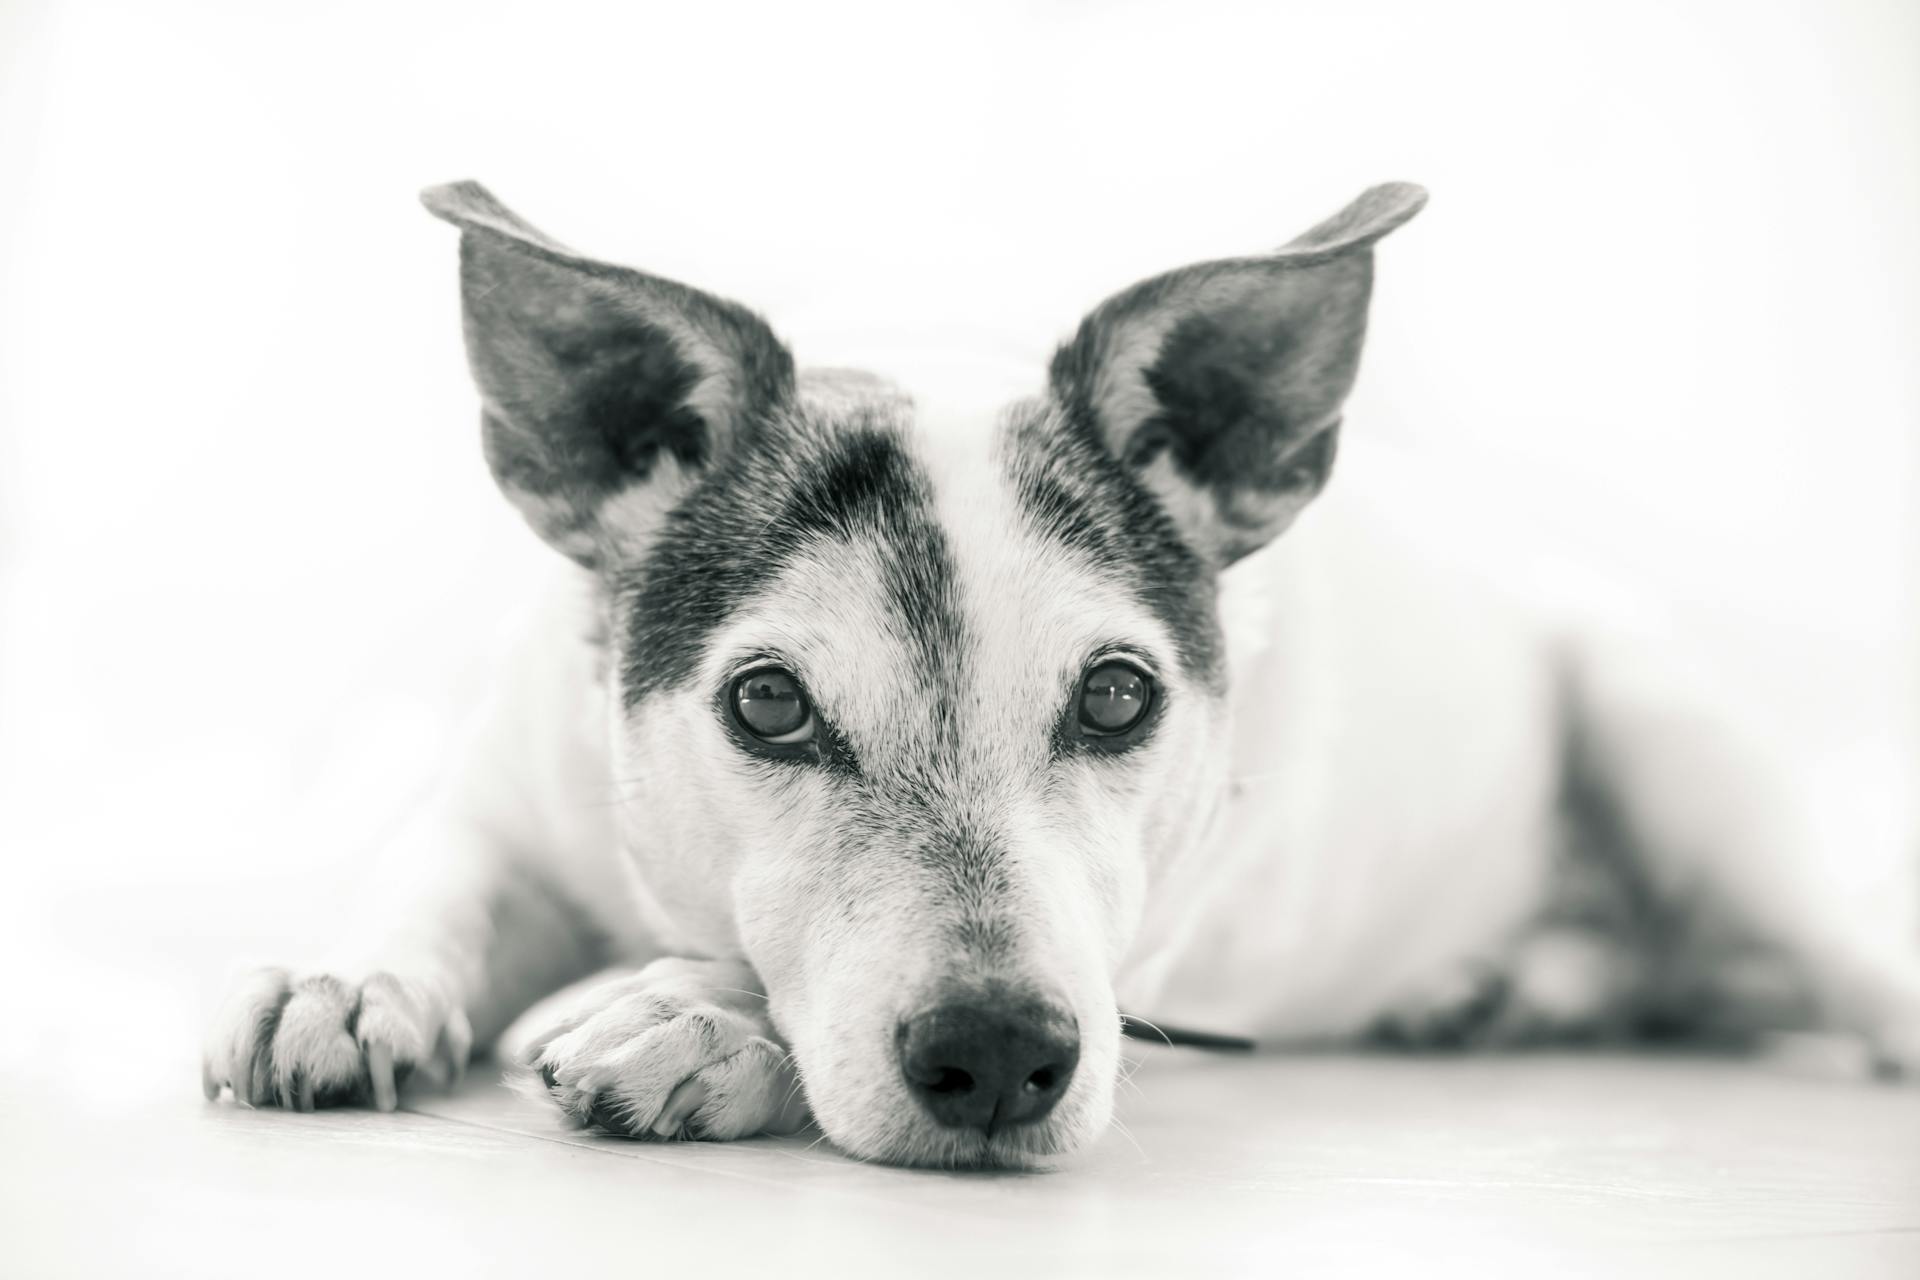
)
(1220, 385)
(604, 391)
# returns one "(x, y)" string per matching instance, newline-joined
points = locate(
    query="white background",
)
(1667, 297)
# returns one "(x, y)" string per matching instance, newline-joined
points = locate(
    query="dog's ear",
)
(604, 391)
(1220, 384)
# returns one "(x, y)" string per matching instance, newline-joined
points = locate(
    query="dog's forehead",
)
(869, 518)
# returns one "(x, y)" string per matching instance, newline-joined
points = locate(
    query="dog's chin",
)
(901, 1134)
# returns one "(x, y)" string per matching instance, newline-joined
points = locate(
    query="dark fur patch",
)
(586, 385)
(608, 397)
(868, 486)
(1079, 494)
(1215, 421)
(792, 482)
(1247, 381)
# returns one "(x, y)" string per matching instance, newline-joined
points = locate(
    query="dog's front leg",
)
(680, 1048)
(466, 939)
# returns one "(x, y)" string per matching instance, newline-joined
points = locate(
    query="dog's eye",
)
(1114, 697)
(771, 705)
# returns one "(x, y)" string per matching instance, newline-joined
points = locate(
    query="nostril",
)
(1041, 1080)
(951, 1080)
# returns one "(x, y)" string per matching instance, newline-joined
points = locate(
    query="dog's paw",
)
(1555, 986)
(1567, 984)
(1895, 1051)
(1882, 1007)
(1449, 1010)
(677, 1050)
(318, 1041)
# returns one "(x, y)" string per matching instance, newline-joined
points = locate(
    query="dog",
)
(882, 749)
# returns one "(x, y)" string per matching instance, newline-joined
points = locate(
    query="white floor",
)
(1228, 1165)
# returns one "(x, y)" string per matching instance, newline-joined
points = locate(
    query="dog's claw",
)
(680, 1106)
(209, 1083)
(458, 1035)
(380, 1073)
(601, 1112)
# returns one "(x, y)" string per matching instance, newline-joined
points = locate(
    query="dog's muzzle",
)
(989, 1059)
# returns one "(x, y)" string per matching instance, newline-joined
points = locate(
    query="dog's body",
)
(904, 743)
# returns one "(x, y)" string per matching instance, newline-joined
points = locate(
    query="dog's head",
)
(913, 713)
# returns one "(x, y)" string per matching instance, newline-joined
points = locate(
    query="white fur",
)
(1391, 763)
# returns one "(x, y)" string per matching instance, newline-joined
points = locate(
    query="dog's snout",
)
(983, 1063)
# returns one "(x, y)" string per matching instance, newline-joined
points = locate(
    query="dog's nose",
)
(980, 1063)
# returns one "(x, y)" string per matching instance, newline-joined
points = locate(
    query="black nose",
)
(986, 1063)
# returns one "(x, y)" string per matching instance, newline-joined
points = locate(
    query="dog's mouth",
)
(1027, 1148)
(906, 1138)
